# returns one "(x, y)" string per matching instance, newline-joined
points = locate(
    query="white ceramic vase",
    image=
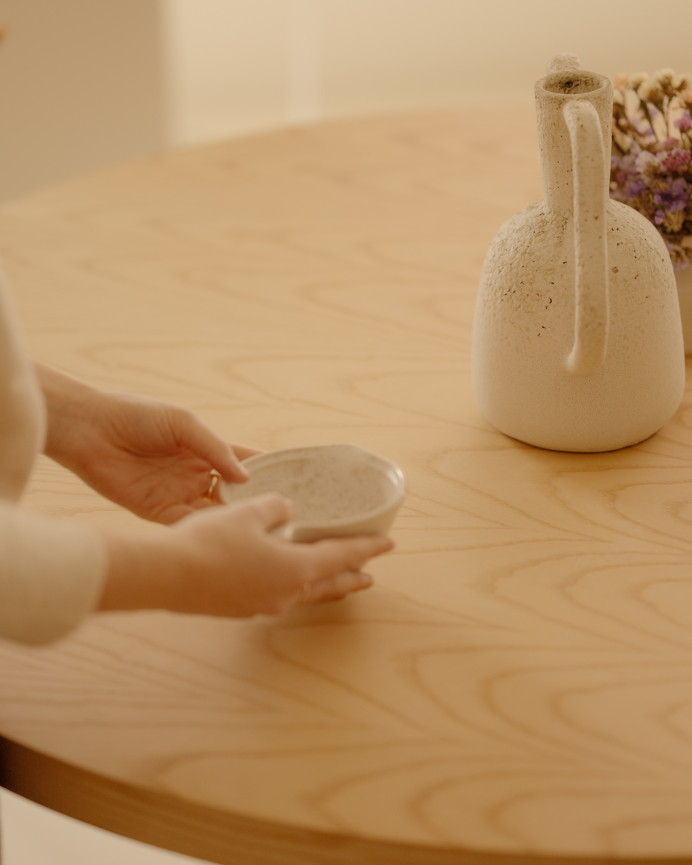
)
(577, 340)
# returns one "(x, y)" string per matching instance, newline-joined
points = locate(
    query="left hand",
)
(156, 460)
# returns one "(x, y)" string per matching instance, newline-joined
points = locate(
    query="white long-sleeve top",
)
(51, 569)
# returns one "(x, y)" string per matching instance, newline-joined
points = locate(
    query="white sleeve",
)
(52, 572)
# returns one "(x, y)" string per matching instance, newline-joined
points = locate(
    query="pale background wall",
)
(238, 64)
(81, 84)
(88, 82)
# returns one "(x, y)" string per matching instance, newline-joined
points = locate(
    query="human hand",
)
(227, 562)
(156, 460)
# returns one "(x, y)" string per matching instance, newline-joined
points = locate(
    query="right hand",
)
(225, 562)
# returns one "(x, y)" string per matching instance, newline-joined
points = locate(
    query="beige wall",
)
(248, 64)
(87, 82)
(81, 84)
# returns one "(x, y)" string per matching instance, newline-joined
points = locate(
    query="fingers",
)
(234, 470)
(269, 575)
(228, 465)
(259, 514)
(268, 511)
(243, 451)
(337, 563)
(335, 587)
(224, 459)
(335, 555)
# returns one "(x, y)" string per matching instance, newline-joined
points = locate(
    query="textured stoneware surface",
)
(337, 489)
(530, 318)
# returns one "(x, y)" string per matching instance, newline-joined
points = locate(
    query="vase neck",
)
(552, 93)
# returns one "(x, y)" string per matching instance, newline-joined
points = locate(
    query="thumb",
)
(215, 450)
(271, 510)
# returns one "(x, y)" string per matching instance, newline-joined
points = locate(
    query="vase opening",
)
(574, 82)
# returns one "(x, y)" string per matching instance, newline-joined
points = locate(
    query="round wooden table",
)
(517, 687)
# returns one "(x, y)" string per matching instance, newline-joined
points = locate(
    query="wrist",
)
(145, 571)
(67, 400)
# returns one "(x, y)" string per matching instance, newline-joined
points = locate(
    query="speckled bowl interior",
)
(337, 489)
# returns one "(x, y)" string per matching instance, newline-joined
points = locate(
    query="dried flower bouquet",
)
(651, 167)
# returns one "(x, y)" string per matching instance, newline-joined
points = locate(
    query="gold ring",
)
(209, 495)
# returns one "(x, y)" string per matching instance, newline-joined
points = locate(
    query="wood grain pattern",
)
(517, 686)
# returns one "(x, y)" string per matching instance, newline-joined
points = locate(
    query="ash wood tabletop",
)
(517, 687)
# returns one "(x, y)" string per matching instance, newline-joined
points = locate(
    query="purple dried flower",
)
(684, 123)
(646, 162)
(675, 160)
(674, 197)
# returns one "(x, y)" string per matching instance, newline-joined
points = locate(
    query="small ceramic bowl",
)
(338, 490)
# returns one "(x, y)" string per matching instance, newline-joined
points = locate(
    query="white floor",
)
(32, 835)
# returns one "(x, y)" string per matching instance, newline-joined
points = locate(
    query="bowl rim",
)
(385, 466)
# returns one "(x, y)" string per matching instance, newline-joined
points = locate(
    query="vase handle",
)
(590, 237)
